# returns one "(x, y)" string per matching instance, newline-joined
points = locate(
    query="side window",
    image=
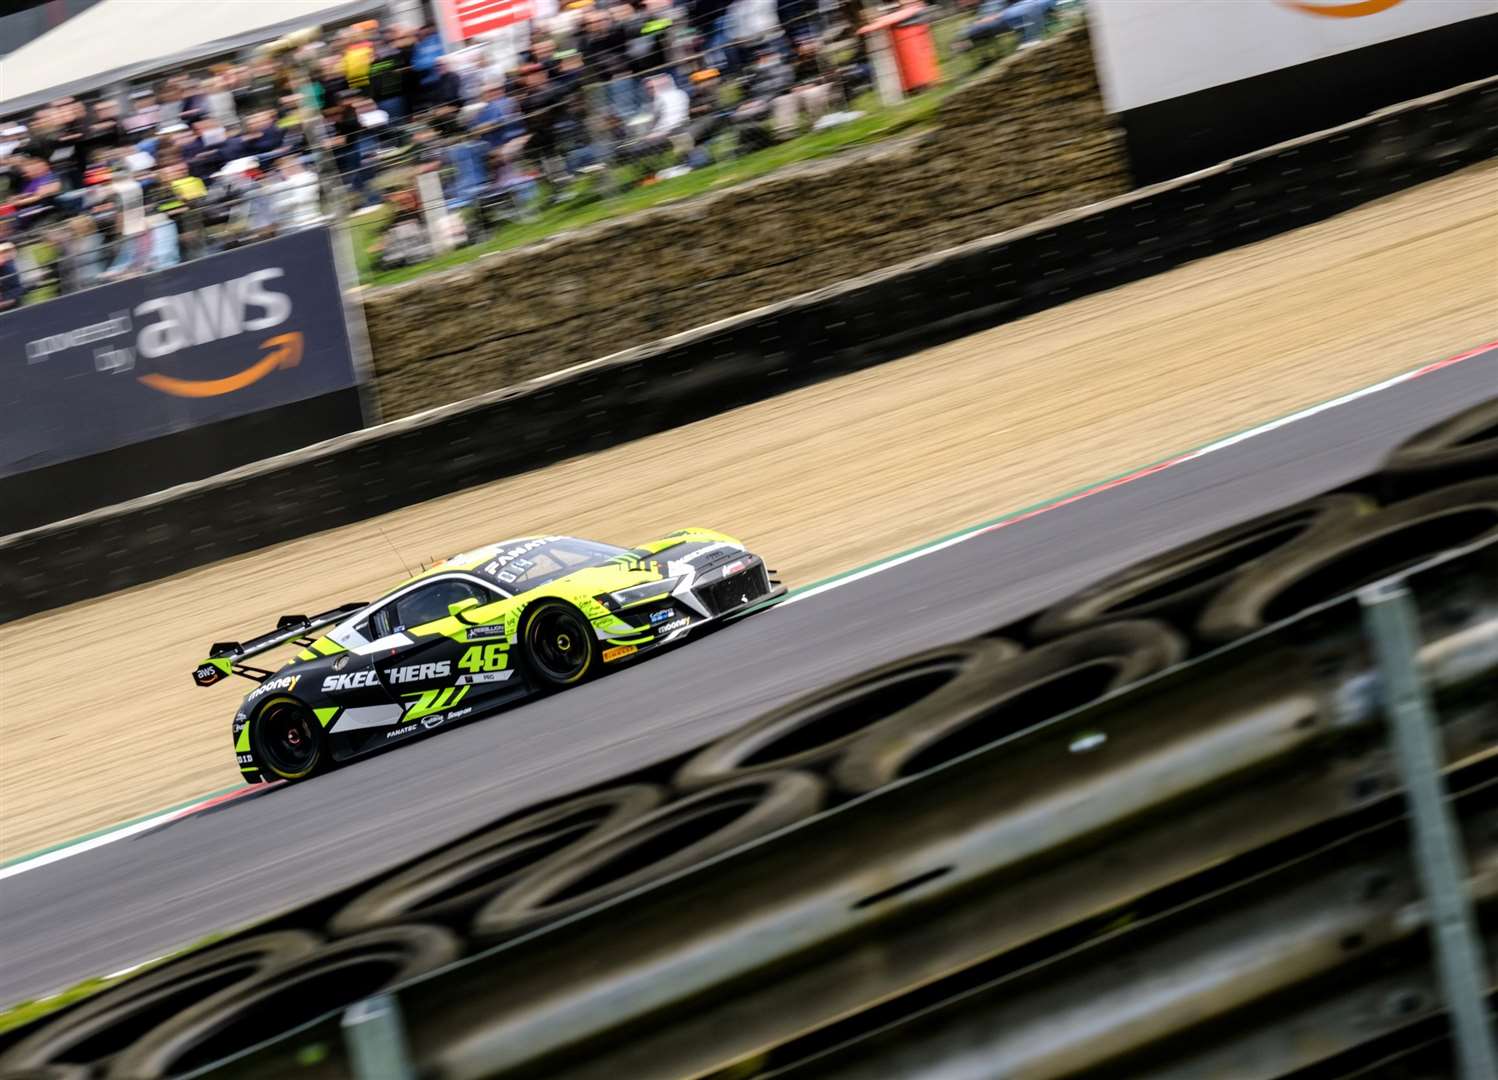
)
(430, 603)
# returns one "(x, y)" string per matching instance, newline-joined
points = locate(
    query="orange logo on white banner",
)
(1354, 9)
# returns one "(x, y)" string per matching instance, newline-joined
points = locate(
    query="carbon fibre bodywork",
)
(447, 644)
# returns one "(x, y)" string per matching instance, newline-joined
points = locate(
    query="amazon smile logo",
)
(167, 325)
(285, 352)
(1351, 9)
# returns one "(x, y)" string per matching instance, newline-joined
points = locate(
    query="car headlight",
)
(635, 593)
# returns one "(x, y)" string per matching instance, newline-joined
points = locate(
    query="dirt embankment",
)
(98, 718)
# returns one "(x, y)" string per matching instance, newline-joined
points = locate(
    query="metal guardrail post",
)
(1389, 618)
(376, 1039)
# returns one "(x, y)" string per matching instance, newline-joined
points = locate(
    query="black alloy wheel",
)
(559, 644)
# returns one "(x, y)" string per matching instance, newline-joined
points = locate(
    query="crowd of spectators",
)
(625, 92)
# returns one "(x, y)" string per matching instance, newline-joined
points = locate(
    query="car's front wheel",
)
(559, 644)
(287, 740)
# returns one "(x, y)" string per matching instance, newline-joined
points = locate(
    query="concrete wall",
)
(1025, 140)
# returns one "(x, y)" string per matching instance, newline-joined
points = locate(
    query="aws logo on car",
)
(1346, 9)
(242, 305)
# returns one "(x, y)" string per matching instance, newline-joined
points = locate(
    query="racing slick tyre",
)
(447, 885)
(336, 975)
(112, 1020)
(558, 644)
(674, 837)
(1015, 696)
(1332, 564)
(1176, 585)
(816, 727)
(286, 739)
(1460, 448)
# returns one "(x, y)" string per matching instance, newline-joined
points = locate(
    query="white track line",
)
(47, 858)
(1190, 455)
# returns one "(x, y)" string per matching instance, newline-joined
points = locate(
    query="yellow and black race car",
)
(472, 633)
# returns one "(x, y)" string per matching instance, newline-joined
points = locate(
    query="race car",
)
(474, 632)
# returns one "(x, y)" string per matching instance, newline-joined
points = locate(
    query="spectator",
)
(332, 84)
(995, 18)
(64, 157)
(668, 106)
(387, 72)
(173, 101)
(294, 198)
(401, 241)
(219, 102)
(753, 20)
(498, 120)
(203, 151)
(649, 37)
(707, 115)
(711, 18)
(424, 56)
(445, 95)
(194, 162)
(807, 95)
(263, 88)
(82, 260)
(603, 44)
(669, 112)
(623, 88)
(38, 192)
(358, 54)
(144, 114)
(12, 138)
(101, 131)
(765, 82)
(12, 291)
(162, 246)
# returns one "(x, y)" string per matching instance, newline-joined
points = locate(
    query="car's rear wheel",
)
(287, 739)
(559, 644)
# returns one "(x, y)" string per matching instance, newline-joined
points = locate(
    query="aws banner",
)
(231, 334)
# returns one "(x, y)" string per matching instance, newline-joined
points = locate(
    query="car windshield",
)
(529, 564)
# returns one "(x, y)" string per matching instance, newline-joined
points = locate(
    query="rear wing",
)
(226, 658)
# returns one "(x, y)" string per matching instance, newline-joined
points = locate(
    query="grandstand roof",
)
(121, 39)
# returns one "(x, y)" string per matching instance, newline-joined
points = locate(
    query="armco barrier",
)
(1034, 790)
(765, 352)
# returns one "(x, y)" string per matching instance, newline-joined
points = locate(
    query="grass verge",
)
(24, 1012)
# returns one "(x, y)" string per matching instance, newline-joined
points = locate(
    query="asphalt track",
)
(108, 908)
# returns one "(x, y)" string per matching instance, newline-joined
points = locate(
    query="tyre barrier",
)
(49, 1072)
(446, 886)
(674, 837)
(1010, 698)
(1461, 448)
(814, 729)
(334, 976)
(864, 732)
(1338, 561)
(101, 1027)
(1176, 586)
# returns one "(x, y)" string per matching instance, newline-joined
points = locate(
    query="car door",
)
(432, 677)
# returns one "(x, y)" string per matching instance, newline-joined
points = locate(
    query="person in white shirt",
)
(132, 244)
(294, 197)
(668, 106)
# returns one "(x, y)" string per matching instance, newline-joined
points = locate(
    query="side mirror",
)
(462, 605)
